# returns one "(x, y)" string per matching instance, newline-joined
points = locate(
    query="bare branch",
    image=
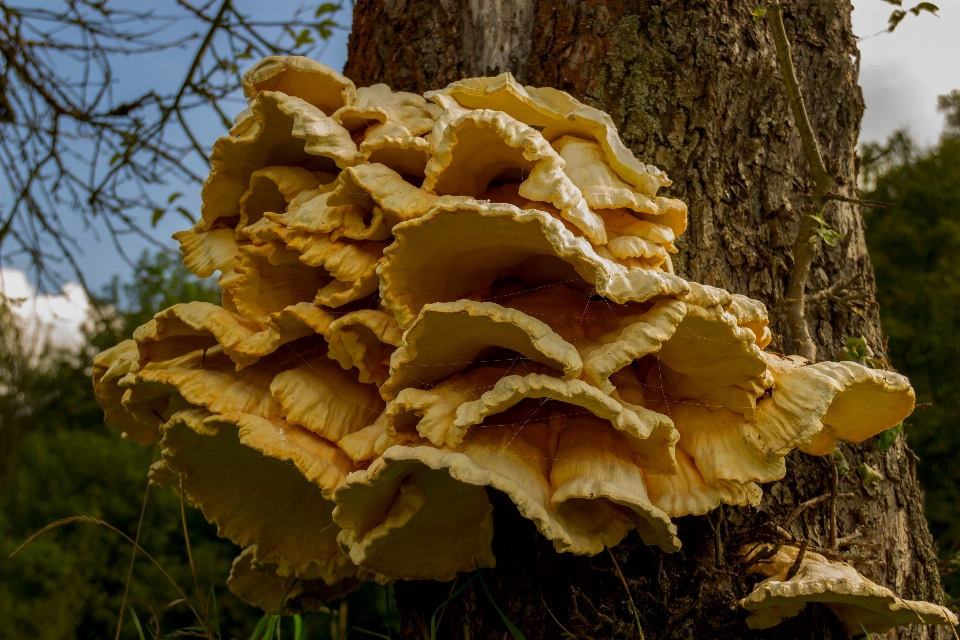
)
(76, 150)
(806, 242)
(870, 204)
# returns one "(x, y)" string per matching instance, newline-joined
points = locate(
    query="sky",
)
(901, 74)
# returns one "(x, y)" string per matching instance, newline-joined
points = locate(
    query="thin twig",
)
(633, 605)
(870, 204)
(848, 540)
(805, 244)
(800, 508)
(832, 504)
(193, 568)
(562, 628)
(796, 563)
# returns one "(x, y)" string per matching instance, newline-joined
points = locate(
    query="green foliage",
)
(69, 582)
(899, 14)
(949, 106)
(888, 437)
(827, 234)
(857, 350)
(843, 467)
(914, 247)
(868, 475)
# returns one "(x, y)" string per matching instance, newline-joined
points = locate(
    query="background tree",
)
(58, 459)
(914, 245)
(76, 143)
(694, 88)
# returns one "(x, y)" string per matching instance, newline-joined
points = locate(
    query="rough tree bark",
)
(694, 88)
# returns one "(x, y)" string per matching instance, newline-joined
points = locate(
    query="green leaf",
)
(818, 218)
(856, 348)
(829, 236)
(173, 196)
(297, 627)
(186, 214)
(895, 18)
(157, 214)
(115, 158)
(326, 7)
(433, 619)
(136, 623)
(302, 38)
(510, 626)
(369, 633)
(325, 28)
(843, 467)
(868, 475)
(888, 437)
(758, 13)
(929, 7)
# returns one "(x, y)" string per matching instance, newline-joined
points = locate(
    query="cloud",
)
(903, 72)
(898, 99)
(54, 320)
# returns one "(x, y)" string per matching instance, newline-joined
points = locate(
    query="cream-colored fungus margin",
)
(232, 467)
(475, 243)
(557, 114)
(259, 585)
(483, 145)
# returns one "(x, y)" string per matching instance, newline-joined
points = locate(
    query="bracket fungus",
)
(863, 606)
(430, 299)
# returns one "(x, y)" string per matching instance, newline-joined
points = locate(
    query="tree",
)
(694, 89)
(913, 245)
(75, 142)
(67, 462)
(58, 459)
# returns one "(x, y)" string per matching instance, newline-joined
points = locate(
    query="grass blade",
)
(433, 619)
(216, 610)
(370, 633)
(260, 628)
(510, 626)
(133, 558)
(97, 521)
(386, 595)
(297, 627)
(136, 623)
(193, 568)
(623, 580)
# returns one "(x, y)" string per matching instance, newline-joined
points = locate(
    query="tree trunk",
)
(694, 88)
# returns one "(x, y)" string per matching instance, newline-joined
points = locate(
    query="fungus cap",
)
(558, 114)
(474, 243)
(300, 77)
(231, 469)
(862, 605)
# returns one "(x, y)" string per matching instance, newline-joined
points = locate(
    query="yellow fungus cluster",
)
(430, 298)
